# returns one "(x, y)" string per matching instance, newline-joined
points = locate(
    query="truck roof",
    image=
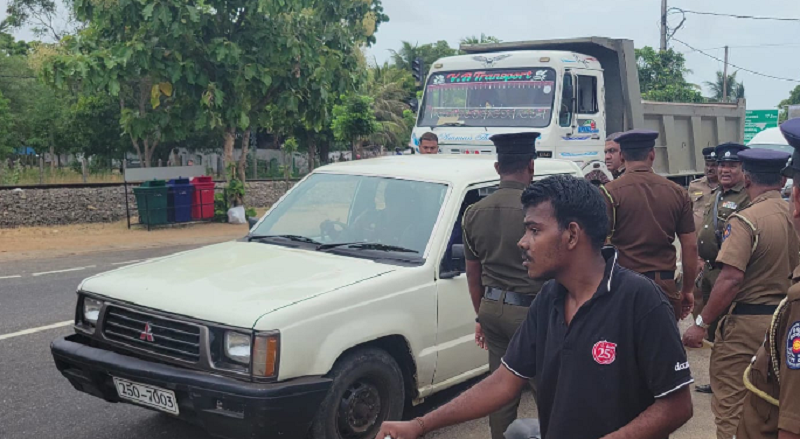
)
(452, 169)
(517, 59)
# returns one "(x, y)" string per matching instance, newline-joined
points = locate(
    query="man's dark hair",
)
(765, 179)
(612, 137)
(573, 200)
(429, 136)
(509, 164)
(636, 155)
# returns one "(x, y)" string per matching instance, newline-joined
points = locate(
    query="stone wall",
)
(43, 207)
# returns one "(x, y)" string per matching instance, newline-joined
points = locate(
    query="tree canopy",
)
(662, 76)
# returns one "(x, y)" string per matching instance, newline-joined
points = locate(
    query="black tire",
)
(367, 390)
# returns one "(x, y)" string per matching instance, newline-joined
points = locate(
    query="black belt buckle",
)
(665, 275)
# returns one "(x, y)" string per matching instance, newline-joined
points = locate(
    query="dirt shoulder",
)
(56, 241)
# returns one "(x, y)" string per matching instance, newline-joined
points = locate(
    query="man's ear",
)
(531, 167)
(573, 235)
(796, 201)
(652, 155)
(497, 167)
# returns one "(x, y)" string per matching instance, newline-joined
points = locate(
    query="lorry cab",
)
(560, 94)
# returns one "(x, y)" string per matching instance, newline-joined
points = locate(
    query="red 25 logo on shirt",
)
(604, 352)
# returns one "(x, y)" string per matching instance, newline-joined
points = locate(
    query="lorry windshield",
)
(344, 212)
(520, 97)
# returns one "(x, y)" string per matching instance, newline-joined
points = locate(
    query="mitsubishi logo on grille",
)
(147, 334)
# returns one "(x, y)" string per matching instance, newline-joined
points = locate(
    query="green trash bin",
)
(151, 202)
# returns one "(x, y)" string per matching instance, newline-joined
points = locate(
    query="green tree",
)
(735, 88)
(429, 53)
(793, 99)
(354, 120)
(482, 39)
(46, 18)
(662, 76)
(390, 89)
(6, 128)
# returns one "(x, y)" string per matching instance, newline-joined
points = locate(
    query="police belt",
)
(747, 309)
(663, 275)
(511, 298)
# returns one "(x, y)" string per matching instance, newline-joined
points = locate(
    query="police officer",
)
(728, 197)
(772, 406)
(500, 288)
(760, 248)
(700, 189)
(647, 211)
(613, 158)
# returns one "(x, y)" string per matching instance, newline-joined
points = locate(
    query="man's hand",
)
(687, 304)
(480, 340)
(693, 337)
(400, 430)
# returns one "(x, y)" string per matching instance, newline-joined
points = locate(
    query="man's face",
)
(542, 242)
(730, 174)
(428, 147)
(711, 170)
(613, 157)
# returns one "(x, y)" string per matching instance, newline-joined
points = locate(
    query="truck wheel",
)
(367, 390)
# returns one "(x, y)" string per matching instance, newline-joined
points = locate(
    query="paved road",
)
(37, 402)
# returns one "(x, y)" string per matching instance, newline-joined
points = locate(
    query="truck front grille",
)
(152, 333)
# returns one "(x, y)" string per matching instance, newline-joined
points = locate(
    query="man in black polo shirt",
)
(600, 340)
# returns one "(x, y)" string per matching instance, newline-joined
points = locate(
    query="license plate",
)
(155, 397)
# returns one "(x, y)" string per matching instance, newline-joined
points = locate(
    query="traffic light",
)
(418, 70)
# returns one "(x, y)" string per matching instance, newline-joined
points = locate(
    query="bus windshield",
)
(520, 97)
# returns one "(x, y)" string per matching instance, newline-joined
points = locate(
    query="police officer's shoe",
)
(703, 389)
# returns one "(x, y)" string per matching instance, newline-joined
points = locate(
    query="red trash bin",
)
(203, 198)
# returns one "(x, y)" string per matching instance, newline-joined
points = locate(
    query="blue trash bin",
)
(180, 200)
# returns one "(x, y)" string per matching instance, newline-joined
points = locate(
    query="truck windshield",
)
(490, 98)
(359, 215)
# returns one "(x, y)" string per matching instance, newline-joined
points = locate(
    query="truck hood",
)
(232, 283)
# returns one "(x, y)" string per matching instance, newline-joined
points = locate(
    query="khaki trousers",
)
(499, 322)
(737, 341)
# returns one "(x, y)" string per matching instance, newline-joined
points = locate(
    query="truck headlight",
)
(91, 310)
(237, 347)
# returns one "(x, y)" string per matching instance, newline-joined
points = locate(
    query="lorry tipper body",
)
(574, 92)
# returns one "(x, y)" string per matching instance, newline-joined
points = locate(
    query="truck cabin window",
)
(587, 95)
(336, 209)
(520, 97)
(567, 93)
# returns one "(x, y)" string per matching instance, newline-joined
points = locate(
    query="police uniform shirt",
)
(492, 229)
(649, 211)
(699, 192)
(761, 241)
(620, 353)
(779, 357)
(730, 201)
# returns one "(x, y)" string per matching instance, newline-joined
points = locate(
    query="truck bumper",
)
(225, 407)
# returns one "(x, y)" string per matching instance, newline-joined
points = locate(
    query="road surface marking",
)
(64, 271)
(127, 262)
(10, 277)
(35, 330)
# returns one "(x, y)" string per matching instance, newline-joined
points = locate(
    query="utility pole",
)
(663, 25)
(725, 78)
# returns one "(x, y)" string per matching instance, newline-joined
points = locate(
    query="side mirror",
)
(414, 104)
(458, 263)
(251, 221)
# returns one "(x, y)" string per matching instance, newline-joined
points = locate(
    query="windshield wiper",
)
(295, 238)
(367, 246)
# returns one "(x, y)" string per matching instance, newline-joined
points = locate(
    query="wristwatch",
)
(699, 322)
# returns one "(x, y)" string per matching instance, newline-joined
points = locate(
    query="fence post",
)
(41, 169)
(83, 168)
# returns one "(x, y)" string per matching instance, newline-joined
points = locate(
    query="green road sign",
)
(757, 121)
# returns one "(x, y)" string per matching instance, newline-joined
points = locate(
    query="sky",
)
(768, 47)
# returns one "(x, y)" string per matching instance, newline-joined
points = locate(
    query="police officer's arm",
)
(663, 365)
(737, 247)
(688, 238)
(789, 343)
(474, 267)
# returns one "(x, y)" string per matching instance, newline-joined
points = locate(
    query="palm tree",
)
(389, 87)
(483, 39)
(735, 88)
(406, 55)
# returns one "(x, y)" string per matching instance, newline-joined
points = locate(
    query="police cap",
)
(636, 139)
(709, 153)
(515, 143)
(729, 152)
(763, 161)
(791, 131)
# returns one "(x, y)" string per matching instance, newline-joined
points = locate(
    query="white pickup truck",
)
(345, 302)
